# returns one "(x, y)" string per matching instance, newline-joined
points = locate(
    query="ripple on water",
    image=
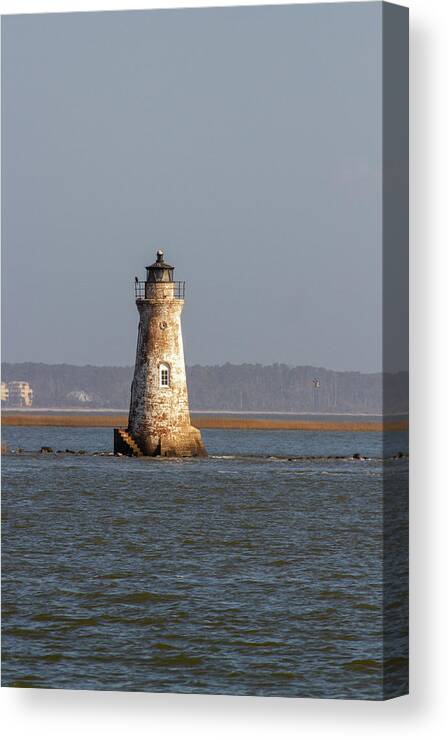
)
(227, 575)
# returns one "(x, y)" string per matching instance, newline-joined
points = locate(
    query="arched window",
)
(164, 375)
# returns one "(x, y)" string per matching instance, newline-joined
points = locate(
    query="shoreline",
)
(196, 412)
(31, 419)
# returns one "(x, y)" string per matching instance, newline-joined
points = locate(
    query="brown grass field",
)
(203, 422)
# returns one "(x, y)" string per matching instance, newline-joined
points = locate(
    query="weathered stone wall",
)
(159, 417)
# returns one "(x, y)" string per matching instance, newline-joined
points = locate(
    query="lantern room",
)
(159, 271)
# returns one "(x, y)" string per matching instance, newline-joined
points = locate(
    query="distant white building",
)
(81, 396)
(20, 394)
(4, 392)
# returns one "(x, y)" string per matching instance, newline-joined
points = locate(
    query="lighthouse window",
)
(164, 375)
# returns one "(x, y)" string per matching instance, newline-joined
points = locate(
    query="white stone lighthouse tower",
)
(159, 415)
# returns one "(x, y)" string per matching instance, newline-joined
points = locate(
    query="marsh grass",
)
(205, 422)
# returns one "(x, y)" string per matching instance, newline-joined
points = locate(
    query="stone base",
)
(185, 443)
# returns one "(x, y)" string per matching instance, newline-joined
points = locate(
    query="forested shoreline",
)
(228, 387)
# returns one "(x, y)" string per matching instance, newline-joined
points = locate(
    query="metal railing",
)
(178, 289)
(139, 288)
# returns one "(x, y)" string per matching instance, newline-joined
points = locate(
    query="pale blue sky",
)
(244, 142)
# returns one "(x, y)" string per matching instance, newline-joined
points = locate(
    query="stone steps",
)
(125, 444)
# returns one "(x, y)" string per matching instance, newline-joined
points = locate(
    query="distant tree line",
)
(226, 387)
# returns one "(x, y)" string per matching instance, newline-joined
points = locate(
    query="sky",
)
(244, 142)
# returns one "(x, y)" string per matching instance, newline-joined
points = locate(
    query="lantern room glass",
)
(160, 275)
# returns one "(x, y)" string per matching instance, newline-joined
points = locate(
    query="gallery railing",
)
(178, 289)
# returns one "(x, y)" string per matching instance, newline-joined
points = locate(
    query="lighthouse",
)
(159, 415)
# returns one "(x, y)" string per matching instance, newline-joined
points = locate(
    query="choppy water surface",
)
(245, 573)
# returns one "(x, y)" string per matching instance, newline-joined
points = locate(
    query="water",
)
(245, 573)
